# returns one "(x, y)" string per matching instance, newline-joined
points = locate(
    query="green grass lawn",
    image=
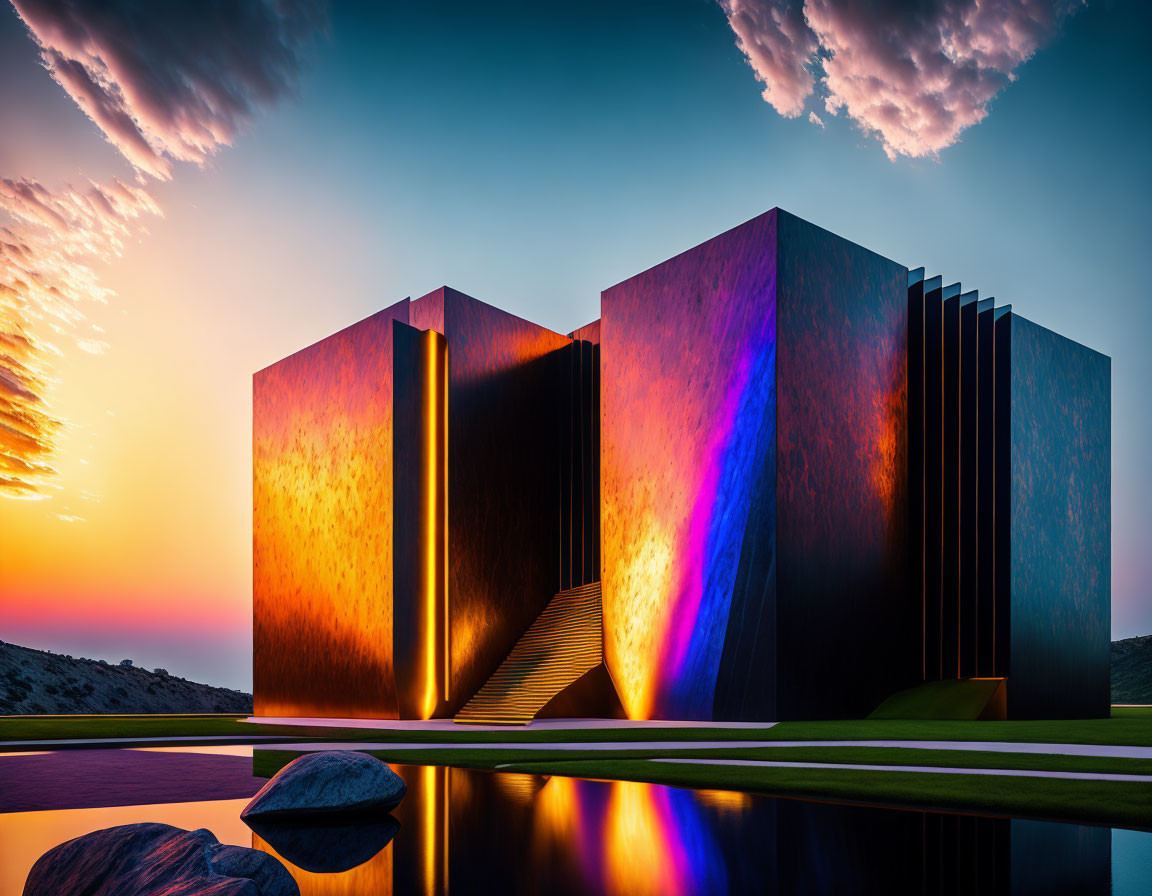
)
(268, 762)
(965, 699)
(66, 727)
(1123, 803)
(1129, 727)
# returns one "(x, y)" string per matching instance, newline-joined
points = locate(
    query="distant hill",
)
(1132, 670)
(37, 682)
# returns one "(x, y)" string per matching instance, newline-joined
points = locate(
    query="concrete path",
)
(976, 746)
(275, 742)
(1124, 752)
(537, 725)
(929, 769)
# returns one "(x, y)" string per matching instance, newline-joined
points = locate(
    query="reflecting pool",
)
(465, 832)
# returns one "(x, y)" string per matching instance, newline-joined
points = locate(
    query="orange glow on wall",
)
(502, 376)
(645, 568)
(322, 576)
(687, 411)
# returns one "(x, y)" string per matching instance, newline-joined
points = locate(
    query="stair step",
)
(562, 644)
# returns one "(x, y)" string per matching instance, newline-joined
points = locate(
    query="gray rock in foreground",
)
(155, 859)
(328, 783)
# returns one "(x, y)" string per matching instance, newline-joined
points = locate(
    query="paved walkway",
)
(608, 746)
(536, 725)
(930, 769)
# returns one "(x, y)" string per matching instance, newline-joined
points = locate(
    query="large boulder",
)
(328, 783)
(156, 860)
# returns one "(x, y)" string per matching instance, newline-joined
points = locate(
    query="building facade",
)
(781, 477)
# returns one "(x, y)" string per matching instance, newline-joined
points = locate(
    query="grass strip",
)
(270, 761)
(1094, 802)
(1127, 727)
(125, 727)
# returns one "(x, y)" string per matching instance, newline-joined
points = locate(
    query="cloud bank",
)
(166, 82)
(48, 239)
(174, 80)
(914, 75)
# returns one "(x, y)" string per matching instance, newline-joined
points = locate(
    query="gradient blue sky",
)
(532, 157)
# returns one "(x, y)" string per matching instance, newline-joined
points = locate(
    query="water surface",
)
(467, 832)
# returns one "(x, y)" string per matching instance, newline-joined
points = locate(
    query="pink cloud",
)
(915, 76)
(166, 82)
(47, 241)
(779, 45)
(172, 81)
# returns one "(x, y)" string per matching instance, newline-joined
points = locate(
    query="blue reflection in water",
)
(478, 832)
(1131, 863)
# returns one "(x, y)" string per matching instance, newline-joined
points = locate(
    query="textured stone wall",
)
(507, 390)
(688, 415)
(322, 526)
(1059, 559)
(847, 624)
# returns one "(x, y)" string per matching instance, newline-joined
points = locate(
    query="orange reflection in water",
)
(415, 861)
(640, 847)
(725, 800)
(435, 821)
(620, 838)
(25, 836)
(374, 876)
(558, 810)
(628, 838)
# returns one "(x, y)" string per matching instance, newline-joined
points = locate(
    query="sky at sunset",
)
(190, 191)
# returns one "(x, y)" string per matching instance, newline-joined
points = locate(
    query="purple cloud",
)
(174, 80)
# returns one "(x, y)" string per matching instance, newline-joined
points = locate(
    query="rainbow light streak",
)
(630, 838)
(690, 652)
(621, 838)
(688, 427)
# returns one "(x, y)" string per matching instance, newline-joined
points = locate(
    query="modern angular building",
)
(781, 477)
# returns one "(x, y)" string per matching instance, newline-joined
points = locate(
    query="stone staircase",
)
(563, 643)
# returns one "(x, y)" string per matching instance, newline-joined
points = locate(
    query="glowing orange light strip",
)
(430, 794)
(430, 526)
(446, 851)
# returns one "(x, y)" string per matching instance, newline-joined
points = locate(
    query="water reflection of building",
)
(780, 477)
(471, 832)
